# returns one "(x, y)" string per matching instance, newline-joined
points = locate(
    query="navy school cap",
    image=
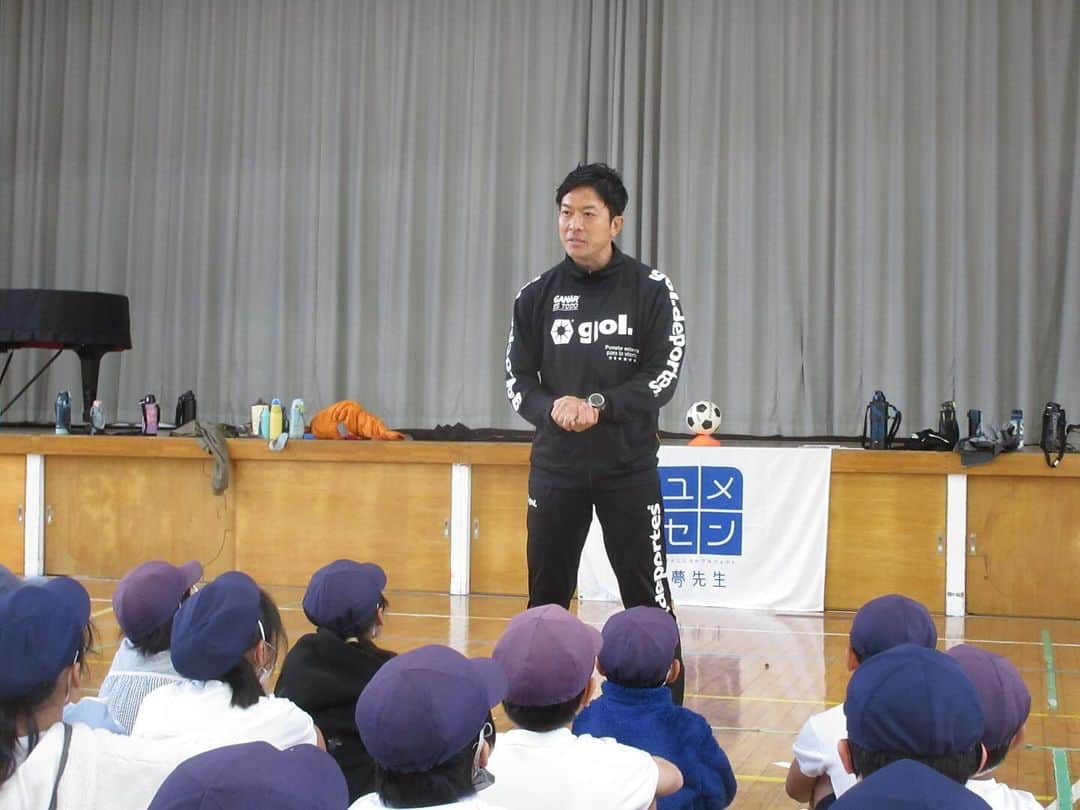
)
(888, 621)
(148, 595)
(424, 706)
(911, 700)
(639, 646)
(344, 593)
(215, 627)
(41, 628)
(255, 776)
(1006, 700)
(548, 654)
(909, 785)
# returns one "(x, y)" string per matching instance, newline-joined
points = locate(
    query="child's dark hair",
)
(244, 680)
(544, 718)
(995, 756)
(602, 179)
(635, 684)
(352, 628)
(446, 783)
(959, 767)
(19, 713)
(159, 639)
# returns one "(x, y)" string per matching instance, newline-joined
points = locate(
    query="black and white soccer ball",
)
(703, 417)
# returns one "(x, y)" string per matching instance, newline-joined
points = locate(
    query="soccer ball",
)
(703, 417)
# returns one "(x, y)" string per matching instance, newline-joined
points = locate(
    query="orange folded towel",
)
(349, 420)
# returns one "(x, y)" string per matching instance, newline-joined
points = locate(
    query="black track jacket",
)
(619, 331)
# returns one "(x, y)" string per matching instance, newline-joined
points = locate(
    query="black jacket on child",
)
(324, 676)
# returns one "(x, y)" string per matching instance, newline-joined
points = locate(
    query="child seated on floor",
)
(638, 660)
(911, 703)
(225, 640)
(144, 603)
(325, 672)
(816, 774)
(1006, 703)
(549, 657)
(45, 635)
(423, 717)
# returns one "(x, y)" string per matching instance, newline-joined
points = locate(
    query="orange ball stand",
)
(704, 440)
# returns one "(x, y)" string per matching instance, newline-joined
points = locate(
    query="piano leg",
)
(22, 390)
(90, 360)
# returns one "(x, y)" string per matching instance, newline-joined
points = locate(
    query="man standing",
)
(595, 349)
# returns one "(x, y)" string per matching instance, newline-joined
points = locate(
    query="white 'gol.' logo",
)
(561, 331)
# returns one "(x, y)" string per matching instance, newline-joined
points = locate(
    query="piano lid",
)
(64, 319)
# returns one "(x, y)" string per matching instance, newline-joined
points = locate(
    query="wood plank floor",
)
(755, 676)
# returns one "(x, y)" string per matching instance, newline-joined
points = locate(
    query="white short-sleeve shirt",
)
(203, 710)
(816, 752)
(1002, 797)
(556, 769)
(102, 770)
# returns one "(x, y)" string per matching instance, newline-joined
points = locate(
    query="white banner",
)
(745, 527)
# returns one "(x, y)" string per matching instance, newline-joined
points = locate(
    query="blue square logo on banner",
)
(721, 488)
(703, 510)
(721, 533)
(680, 488)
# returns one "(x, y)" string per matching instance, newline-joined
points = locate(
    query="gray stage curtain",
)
(340, 199)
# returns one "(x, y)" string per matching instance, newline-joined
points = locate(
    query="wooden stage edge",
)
(1002, 538)
(1028, 463)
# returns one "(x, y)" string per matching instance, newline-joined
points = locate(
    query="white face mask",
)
(264, 673)
(481, 776)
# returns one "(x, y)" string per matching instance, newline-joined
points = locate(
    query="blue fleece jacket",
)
(647, 719)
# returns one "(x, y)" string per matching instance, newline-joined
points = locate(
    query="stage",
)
(998, 539)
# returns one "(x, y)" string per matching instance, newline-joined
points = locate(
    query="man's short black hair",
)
(958, 767)
(602, 179)
(543, 718)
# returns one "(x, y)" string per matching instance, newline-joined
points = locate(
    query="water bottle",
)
(974, 422)
(257, 408)
(276, 417)
(150, 413)
(63, 413)
(296, 419)
(878, 417)
(97, 417)
(1016, 424)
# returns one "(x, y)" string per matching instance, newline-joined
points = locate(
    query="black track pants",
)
(632, 519)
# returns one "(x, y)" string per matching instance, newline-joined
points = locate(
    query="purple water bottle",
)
(150, 413)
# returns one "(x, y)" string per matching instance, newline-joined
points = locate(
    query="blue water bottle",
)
(1016, 425)
(296, 419)
(97, 417)
(63, 413)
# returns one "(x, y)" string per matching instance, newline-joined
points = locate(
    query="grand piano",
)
(91, 324)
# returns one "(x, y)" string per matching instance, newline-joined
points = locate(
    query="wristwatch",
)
(598, 401)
